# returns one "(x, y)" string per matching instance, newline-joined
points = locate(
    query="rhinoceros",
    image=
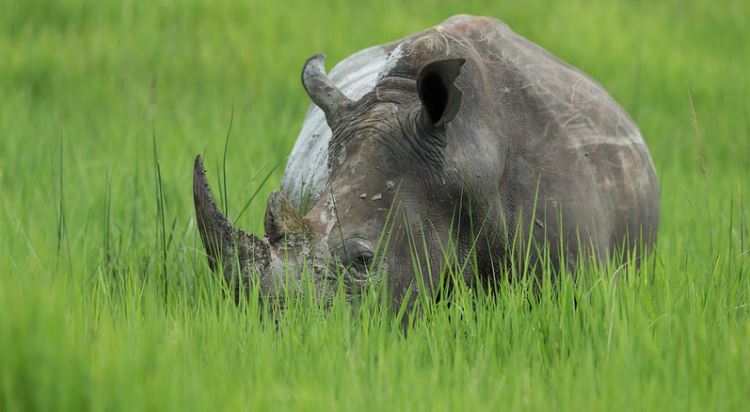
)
(464, 144)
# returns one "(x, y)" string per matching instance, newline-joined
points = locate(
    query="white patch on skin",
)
(328, 219)
(589, 140)
(307, 168)
(342, 155)
(329, 227)
(323, 218)
(321, 248)
(391, 61)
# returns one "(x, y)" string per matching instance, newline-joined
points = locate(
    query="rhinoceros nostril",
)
(356, 253)
(362, 262)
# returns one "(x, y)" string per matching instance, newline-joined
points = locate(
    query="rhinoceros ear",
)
(439, 95)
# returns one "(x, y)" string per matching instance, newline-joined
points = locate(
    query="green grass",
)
(106, 302)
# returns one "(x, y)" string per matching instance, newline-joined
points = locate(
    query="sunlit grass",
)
(107, 300)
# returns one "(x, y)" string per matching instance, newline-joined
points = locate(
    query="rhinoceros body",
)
(464, 138)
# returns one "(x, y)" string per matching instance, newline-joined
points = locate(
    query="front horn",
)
(321, 89)
(238, 251)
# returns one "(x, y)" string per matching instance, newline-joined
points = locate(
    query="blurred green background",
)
(88, 87)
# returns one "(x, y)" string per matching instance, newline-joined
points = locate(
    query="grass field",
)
(105, 299)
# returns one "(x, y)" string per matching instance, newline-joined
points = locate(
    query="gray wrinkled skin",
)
(467, 139)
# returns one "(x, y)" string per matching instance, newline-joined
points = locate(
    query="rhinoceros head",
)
(389, 208)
